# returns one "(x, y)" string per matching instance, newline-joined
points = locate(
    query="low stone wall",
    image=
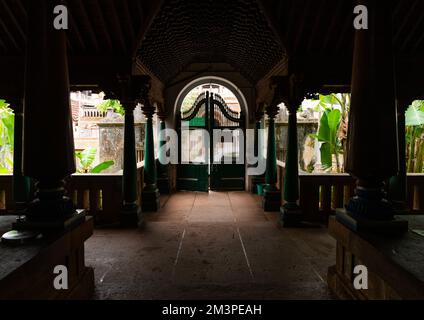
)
(306, 144)
(111, 143)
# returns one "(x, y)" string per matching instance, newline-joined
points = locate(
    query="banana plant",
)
(7, 125)
(328, 136)
(414, 121)
(115, 105)
(332, 132)
(86, 159)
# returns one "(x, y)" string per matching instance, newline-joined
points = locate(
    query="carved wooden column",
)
(21, 184)
(372, 151)
(131, 213)
(272, 195)
(48, 136)
(150, 196)
(291, 214)
(397, 190)
(163, 173)
(258, 149)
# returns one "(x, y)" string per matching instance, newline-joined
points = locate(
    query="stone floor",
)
(211, 246)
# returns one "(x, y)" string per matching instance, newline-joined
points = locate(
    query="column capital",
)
(272, 111)
(132, 89)
(259, 115)
(161, 113)
(296, 92)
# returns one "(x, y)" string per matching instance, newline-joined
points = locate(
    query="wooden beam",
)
(130, 25)
(104, 29)
(345, 29)
(332, 30)
(406, 19)
(117, 26)
(75, 29)
(10, 36)
(302, 26)
(146, 24)
(14, 20)
(315, 28)
(87, 22)
(412, 32)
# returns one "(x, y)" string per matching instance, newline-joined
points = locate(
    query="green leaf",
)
(102, 167)
(329, 99)
(3, 104)
(414, 116)
(326, 156)
(87, 157)
(324, 129)
(334, 118)
(115, 105)
(313, 136)
(8, 120)
(3, 170)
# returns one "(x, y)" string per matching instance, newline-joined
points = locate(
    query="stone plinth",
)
(27, 271)
(395, 263)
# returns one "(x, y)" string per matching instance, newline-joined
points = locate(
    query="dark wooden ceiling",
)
(188, 31)
(163, 37)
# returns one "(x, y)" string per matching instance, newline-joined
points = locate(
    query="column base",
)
(271, 200)
(131, 216)
(392, 274)
(400, 208)
(163, 185)
(41, 258)
(291, 216)
(150, 200)
(255, 181)
(359, 224)
(17, 238)
(48, 224)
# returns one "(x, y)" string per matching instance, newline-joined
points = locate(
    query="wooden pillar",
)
(48, 135)
(162, 169)
(271, 159)
(131, 213)
(397, 189)
(150, 195)
(258, 151)
(291, 214)
(272, 195)
(372, 151)
(21, 184)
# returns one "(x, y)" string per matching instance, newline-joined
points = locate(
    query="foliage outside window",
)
(86, 162)
(7, 124)
(332, 131)
(414, 120)
(114, 105)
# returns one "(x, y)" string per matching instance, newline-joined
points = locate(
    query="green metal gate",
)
(204, 164)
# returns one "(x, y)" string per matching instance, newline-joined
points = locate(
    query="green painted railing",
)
(99, 194)
(321, 194)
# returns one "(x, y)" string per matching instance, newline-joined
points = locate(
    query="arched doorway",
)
(211, 126)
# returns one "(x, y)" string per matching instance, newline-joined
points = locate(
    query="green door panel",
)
(193, 177)
(230, 177)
